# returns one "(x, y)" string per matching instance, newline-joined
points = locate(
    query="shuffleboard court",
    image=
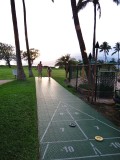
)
(68, 126)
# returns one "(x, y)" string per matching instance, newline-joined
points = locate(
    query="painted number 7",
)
(62, 129)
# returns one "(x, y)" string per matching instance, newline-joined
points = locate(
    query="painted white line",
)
(82, 112)
(104, 155)
(45, 151)
(49, 122)
(77, 124)
(77, 157)
(96, 150)
(96, 119)
(83, 140)
(97, 127)
(62, 121)
(107, 138)
(112, 138)
(71, 120)
(112, 154)
(108, 125)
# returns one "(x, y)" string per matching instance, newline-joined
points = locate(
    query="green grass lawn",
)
(18, 121)
(18, 115)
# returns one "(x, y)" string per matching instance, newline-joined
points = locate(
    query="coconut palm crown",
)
(63, 60)
(105, 47)
(117, 49)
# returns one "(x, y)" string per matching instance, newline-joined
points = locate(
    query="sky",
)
(51, 27)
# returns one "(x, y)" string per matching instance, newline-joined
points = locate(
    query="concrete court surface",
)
(57, 110)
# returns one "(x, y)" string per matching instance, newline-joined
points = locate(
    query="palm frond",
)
(113, 53)
(63, 60)
(117, 1)
(116, 48)
(99, 9)
(82, 4)
(101, 50)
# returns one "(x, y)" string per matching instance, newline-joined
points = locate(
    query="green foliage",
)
(105, 47)
(113, 61)
(59, 76)
(64, 60)
(34, 53)
(7, 53)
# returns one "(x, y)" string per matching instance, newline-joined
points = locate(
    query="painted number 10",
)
(115, 145)
(68, 149)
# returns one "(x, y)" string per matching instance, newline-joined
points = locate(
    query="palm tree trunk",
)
(105, 57)
(118, 60)
(79, 34)
(8, 63)
(26, 39)
(20, 71)
(94, 31)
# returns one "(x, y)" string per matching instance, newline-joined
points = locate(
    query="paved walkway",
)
(5, 81)
(58, 109)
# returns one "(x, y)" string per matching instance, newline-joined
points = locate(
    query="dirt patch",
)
(106, 107)
(111, 112)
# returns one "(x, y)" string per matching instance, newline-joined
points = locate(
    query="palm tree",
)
(79, 33)
(26, 39)
(66, 61)
(105, 47)
(20, 71)
(117, 50)
(82, 4)
(62, 61)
